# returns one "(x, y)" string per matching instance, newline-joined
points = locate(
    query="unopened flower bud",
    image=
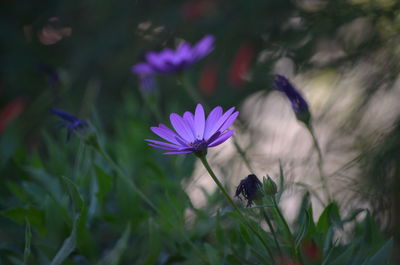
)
(269, 186)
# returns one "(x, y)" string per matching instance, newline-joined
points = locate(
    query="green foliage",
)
(64, 202)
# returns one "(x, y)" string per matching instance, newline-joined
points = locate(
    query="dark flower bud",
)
(72, 123)
(249, 188)
(299, 104)
(269, 186)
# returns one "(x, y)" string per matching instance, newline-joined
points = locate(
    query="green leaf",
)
(330, 216)
(382, 256)
(68, 246)
(73, 193)
(104, 182)
(153, 244)
(281, 182)
(303, 229)
(245, 234)
(212, 254)
(19, 215)
(344, 257)
(114, 256)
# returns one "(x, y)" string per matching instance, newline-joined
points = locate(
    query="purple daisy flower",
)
(173, 61)
(194, 133)
(70, 121)
(296, 99)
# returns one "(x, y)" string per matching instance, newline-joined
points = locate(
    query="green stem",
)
(190, 89)
(320, 161)
(242, 154)
(271, 228)
(234, 206)
(292, 239)
(150, 99)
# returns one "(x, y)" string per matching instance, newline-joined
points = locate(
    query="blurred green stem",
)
(184, 81)
(234, 206)
(271, 228)
(291, 237)
(151, 101)
(320, 161)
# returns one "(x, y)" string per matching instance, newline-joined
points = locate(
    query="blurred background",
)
(343, 55)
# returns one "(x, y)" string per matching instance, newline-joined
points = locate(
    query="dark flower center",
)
(199, 145)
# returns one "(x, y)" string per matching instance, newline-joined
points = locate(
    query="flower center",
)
(199, 145)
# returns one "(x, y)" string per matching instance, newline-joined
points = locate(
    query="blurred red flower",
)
(11, 111)
(241, 65)
(208, 79)
(311, 250)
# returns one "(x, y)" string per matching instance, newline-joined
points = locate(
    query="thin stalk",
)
(153, 106)
(320, 162)
(234, 206)
(271, 228)
(78, 160)
(292, 239)
(190, 89)
(242, 154)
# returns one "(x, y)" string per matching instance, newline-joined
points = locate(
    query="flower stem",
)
(242, 154)
(291, 237)
(188, 86)
(320, 161)
(271, 228)
(234, 206)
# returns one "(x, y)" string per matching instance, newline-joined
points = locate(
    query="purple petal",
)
(203, 47)
(213, 117)
(229, 121)
(176, 153)
(176, 147)
(181, 127)
(222, 138)
(199, 122)
(217, 125)
(163, 147)
(157, 61)
(142, 69)
(182, 54)
(166, 133)
(188, 116)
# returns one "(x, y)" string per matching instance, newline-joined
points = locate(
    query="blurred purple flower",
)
(299, 104)
(173, 61)
(195, 133)
(70, 121)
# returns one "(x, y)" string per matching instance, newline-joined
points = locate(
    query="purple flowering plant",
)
(71, 122)
(299, 104)
(194, 133)
(175, 61)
